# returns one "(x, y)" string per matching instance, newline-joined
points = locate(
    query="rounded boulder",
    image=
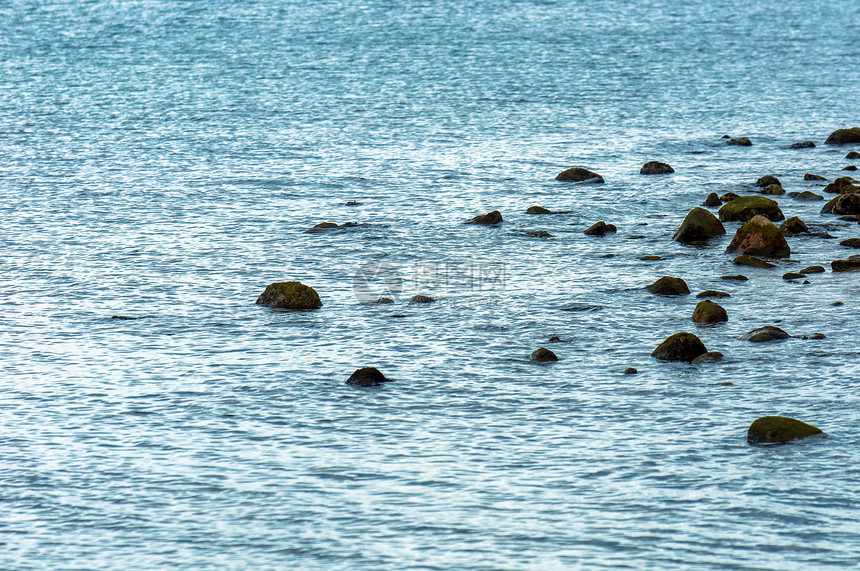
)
(779, 430)
(578, 174)
(289, 295)
(667, 285)
(844, 136)
(744, 208)
(709, 312)
(760, 237)
(680, 347)
(698, 226)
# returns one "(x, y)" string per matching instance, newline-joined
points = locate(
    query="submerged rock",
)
(850, 168)
(540, 234)
(844, 136)
(853, 155)
(630, 371)
(289, 295)
(698, 226)
(752, 261)
(792, 276)
(807, 195)
(744, 208)
(766, 333)
(713, 293)
(709, 357)
(737, 278)
(740, 141)
(850, 243)
(680, 347)
(321, 227)
(542, 355)
(538, 210)
(845, 265)
(794, 225)
(803, 145)
(709, 312)
(779, 430)
(773, 189)
(842, 185)
(384, 301)
(810, 176)
(712, 201)
(600, 229)
(656, 167)
(578, 174)
(421, 299)
(667, 285)
(767, 180)
(488, 219)
(760, 237)
(813, 270)
(367, 377)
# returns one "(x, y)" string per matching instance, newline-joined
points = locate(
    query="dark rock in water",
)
(725, 137)
(680, 347)
(542, 355)
(713, 293)
(817, 336)
(698, 226)
(837, 303)
(842, 185)
(844, 136)
(760, 237)
(630, 371)
(540, 234)
(794, 225)
(354, 203)
(813, 270)
(810, 176)
(752, 261)
(651, 258)
(709, 312)
(384, 300)
(577, 174)
(656, 167)
(779, 430)
(740, 142)
(321, 227)
(845, 265)
(737, 278)
(807, 195)
(289, 295)
(766, 333)
(853, 155)
(421, 299)
(849, 218)
(773, 189)
(792, 276)
(667, 285)
(803, 145)
(709, 357)
(538, 210)
(728, 197)
(554, 339)
(367, 377)
(850, 168)
(844, 204)
(489, 219)
(600, 229)
(767, 180)
(712, 201)
(850, 243)
(582, 307)
(743, 208)
(123, 317)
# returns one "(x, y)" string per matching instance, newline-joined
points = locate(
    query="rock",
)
(744, 260)
(651, 258)
(807, 195)
(709, 312)
(794, 225)
(842, 185)
(773, 189)
(727, 384)
(818, 336)
(421, 299)
(737, 278)
(542, 355)
(853, 155)
(680, 347)
(813, 270)
(667, 285)
(289, 295)
(554, 339)
(600, 229)
(810, 176)
(803, 145)
(713, 293)
(779, 430)
(850, 243)
(844, 204)
(743, 208)
(698, 226)
(760, 237)
(845, 265)
(709, 357)
(792, 276)
(488, 219)
(844, 136)
(728, 197)
(837, 303)
(850, 168)
(384, 300)
(367, 377)
(656, 167)
(538, 210)
(577, 174)
(321, 227)
(630, 371)
(540, 234)
(766, 333)
(354, 203)
(740, 141)
(712, 201)
(767, 180)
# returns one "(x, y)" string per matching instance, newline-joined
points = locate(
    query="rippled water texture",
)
(161, 161)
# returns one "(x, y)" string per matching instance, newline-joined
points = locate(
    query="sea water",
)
(161, 160)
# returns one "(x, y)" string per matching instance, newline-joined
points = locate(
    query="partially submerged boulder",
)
(289, 295)
(802, 145)
(740, 141)
(845, 204)
(709, 357)
(779, 430)
(713, 293)
(488, 219)
(728, 197)
(853, 155)
(808, 195)
(765, 334)
(813, 270)
(367, 377)
(760, 237)
(578, 174)
(842, 185)
(767, 180)
(850, 243)
(845, 265)
(698, 226)
(773, 189)
(656, 167)
(752, 261)
(538, 210)
(542, 355)
(667, 285)
(709, 312)
(680, 347)
(844, 136)
(794, 225)
(600, 229)
(810, 176)
(743, 208)
(421, 299)
(712, 201)
(321, 227)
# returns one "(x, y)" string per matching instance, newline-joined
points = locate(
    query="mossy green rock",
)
(538, 210)
(779, 430)
(842, 185)
(667, 285)
(773, 189)
(744, 208)
(844, 136)
(709, 312)
(488, 219)
(578, 174)
(698, 226)
(680, 347)
(760, 237)
(289, 295)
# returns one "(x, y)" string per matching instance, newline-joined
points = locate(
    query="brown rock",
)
(713, 293)
(792, 276)
(766, 333)
(740, 141)
(421, 299)
(712, 201)
(577, 174)
(289, 295)
(768, 180)
(760, 237)
(667, 285)
(794, 225)
(779, 430)
(709, 357)
(845, 265)
(752, 261)
(489, 219)
(709, 312)
(850, 243)
(698, 226)
(537, 210)
(367, 377)
(656, 167)
(773, 189)
(807, 195)
(803, 145)
(853, 155)
(842, 185)
(844, 136)
(600, 229)
(680, 347)
(542, 355)
(743, 208)
(728, 197)
(813, 270)
(810, 176)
